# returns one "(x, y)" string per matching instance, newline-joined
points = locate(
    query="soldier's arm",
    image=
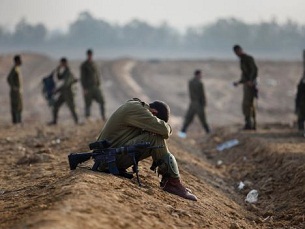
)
(251, 69)
(242, 79)
(204, 101)
(297, 98)
(13, 80)
(98, 75)
(67, 78)
(142, 118)
(83, 76)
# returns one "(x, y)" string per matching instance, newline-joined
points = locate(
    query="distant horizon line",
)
(62, 30)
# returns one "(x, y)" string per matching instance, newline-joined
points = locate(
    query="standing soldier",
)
(15, 82)
(65, 91)
(300, 103)
(90, 80)
(197, 105)
(248, 79)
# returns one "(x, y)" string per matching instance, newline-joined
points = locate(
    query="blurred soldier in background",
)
(15, 82)
(248, 79)
(90, 80)
(197, 105)
(135, 122)
(300, 103)
(66, 94)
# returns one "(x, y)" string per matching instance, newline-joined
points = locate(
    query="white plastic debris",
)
(252, 196)
(241, 185)
(56, 141)
(227, 144)
(219, 163)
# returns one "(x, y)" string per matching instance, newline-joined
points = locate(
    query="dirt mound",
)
(45, 194)
(37, 189)
(271, 161)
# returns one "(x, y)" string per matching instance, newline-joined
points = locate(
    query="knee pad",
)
(169, 166)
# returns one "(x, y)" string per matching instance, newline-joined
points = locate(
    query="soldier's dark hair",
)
(162, 108)
(89, 52)
(237, 47)
(64, 60)
(197, 72)
(17, 59)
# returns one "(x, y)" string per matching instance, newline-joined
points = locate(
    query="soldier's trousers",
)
(158, 155)
(70, 103)
(301, 116)
(16, 106)
(248, 107)
(94, 94)
(195, 109)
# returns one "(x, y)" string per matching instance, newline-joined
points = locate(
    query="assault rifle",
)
(102, 154)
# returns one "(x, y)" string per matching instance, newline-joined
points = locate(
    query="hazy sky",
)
(178, 13)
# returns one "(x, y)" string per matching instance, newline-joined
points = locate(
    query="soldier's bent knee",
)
(169, 166)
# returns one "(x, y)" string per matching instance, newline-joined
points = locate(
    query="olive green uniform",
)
(300, 103)
(15, 82)
(91, 84)
(66, 94)
(197, 105)
(249, 74)
(133, 123)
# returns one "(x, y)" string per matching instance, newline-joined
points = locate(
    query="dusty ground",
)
(37, 189)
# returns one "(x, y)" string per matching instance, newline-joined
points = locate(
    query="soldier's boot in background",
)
(75, 117)
(18, 117)
(182, 132)
(301, 124)
(254, 124)
(207, 128)
(14, 117)
(55, 113)
(102, 110)
(87, 112)
(170, 178)
(248, 123)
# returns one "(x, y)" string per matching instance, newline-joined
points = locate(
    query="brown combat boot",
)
(174, 186)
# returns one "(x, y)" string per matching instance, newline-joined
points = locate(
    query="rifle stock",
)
(104, 155)
(78, 158)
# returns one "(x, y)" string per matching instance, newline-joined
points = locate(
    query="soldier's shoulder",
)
(84, 63)
(13, 70)
(249, 57)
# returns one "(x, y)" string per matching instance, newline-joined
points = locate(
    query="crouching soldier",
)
(135, 122)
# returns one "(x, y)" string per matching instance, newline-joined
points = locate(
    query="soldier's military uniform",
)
(134, 123)
(249, 74)
(91, 84)
(197, 105)
(300, 103)
(66, 94)
(15, 82)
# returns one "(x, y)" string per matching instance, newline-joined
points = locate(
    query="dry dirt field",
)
(37, 189)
